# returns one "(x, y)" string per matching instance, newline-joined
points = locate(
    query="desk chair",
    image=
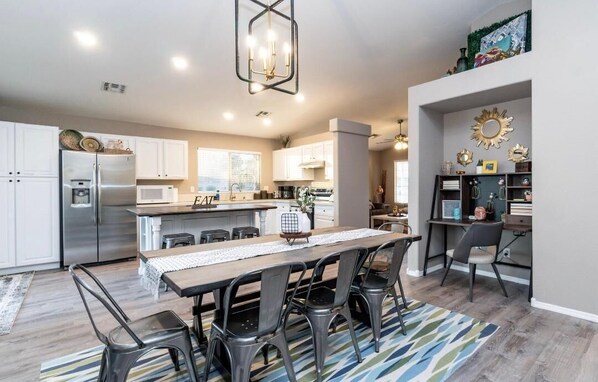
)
(133, 338)
(321, 305)
(374, 287)
(469, 251)
(246, 328)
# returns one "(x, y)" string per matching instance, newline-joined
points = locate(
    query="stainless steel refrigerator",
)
(96, 191)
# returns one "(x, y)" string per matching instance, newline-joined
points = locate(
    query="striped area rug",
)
(438, 342)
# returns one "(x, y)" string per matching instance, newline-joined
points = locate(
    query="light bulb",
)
(255, 87)
(286, 48)
(299, 97)
(180, 63)
(86, 38)
(250, 41)
(271, 35)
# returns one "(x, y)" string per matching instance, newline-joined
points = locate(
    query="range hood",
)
(312, 164)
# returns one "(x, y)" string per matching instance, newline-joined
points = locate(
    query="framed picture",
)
(490, 167)
(448, 208)
(500, 40)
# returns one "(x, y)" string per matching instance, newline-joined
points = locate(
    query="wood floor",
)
(531, 345)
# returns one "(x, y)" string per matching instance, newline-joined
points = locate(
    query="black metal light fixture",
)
(265, 22)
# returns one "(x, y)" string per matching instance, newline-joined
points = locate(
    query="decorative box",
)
(523, 167)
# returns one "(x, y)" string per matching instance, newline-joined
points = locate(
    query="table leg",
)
(263, 215)
(156, 223)
(197, 323)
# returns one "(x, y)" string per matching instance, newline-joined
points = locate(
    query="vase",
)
(462, 62)
(305, 222)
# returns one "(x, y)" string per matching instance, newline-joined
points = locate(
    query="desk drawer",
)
(519, 220)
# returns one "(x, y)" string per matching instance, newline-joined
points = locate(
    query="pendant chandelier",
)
(401, 139)
(259, 61)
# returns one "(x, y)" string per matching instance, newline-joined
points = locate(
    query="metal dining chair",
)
(321, 304)
(244, 329)
(470, 251)
(373, 287)
(133, 338)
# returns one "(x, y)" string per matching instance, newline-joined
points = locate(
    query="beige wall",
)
(195, 138)
(380, 161)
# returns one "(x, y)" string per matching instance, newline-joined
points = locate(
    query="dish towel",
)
(151, 271)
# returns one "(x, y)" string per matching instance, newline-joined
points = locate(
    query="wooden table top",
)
(195, 281)
(182, 210)
(467, 222)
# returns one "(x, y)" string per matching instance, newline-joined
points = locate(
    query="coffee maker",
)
(287, 192)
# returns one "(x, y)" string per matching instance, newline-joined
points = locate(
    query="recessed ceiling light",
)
(255, 87)
(228, 116)
(180, 63)
(267, 121)
(86, 38)
(299, 97)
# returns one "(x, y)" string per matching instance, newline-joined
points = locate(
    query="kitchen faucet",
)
(233, 197)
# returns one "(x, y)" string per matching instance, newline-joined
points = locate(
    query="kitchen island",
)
(153, 222)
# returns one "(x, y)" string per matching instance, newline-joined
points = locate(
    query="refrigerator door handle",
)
(93, 196)
(99, 194)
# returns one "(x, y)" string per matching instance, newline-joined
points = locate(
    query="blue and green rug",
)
(438, 342)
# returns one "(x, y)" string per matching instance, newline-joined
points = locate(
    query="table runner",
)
(151, 271)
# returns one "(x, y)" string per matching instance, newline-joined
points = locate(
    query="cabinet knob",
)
(165, 174)
(10, 181)
(18, 180)
(158, 175)
(18, 172)
(10, 173)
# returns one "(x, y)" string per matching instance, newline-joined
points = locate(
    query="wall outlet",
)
(192, 189)
(506, 252)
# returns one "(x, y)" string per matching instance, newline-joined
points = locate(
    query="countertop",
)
(186, 209)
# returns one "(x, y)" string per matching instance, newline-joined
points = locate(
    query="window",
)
(401, 181)
(218, 169)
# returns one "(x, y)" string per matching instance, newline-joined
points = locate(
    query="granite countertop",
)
(186, 209)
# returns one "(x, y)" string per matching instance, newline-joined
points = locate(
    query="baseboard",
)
(513, 279)
(28, 268)
(418, 273)
(563, 310)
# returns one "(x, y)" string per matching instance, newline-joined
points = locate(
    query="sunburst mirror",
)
(491, 128)
(518, 153)
(464, 157)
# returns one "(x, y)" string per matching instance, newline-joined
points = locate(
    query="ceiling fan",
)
(401, 140)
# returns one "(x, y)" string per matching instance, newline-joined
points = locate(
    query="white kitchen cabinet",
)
(323, 216)
(36, 150)
(7, 148)
(176, 158)
(37, 221)
(279, 165)
(313, 152)
(149, 158)
(294, 157)
(328, 148)
(161, 159)
(7, 223)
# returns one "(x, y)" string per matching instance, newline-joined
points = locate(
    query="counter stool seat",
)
(245, 232)
(212, 235)
(177, 240)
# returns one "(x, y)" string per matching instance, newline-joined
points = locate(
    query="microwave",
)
(156, 194)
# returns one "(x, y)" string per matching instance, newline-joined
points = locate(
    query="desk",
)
(388, 218)
(518, 231)
(196, 282)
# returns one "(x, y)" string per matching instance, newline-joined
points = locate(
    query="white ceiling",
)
(357, 59)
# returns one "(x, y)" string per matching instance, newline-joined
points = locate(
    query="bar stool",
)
(245, 232)
(212, 235)
(177, 240)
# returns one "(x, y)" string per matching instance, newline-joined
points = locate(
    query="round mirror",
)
(518, 153)
(464, 157)
(491, 128)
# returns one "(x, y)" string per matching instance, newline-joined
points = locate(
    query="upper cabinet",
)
(279, 165)
(161, 158)
(286, 162)
(28, 150)
(313, 152)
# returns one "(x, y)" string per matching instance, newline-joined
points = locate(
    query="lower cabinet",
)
(323, 216)
(30, 230)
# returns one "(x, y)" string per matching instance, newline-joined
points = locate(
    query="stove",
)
(323, 194)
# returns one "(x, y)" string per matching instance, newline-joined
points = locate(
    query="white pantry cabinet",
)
(28, 150)
(161, 159)
(7, 223)
(37, 221)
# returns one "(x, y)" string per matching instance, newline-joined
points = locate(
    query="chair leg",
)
(499, 279)
(120, 364)
(174, 356)
(102, 376)
(346, 313)
(241, 359)
(319, 328)
(209, 357)
(374, 303)
(472, 268)
(402, 292)
(265, 354)
(186, 347)
(448, 268)
(282, 345)
(394, 296)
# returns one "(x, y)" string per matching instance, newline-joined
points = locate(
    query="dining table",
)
(194, 283)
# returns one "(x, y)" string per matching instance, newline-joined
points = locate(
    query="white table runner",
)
(151, 271)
